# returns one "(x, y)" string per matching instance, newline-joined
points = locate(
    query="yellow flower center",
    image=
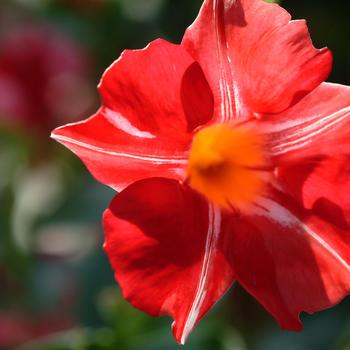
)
(227, 164)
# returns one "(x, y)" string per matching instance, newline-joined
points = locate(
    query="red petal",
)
(311, 144)
(166, 246)
(322, 185)
(255, 59)
(149, 112)
(318, 125)
(291, 261)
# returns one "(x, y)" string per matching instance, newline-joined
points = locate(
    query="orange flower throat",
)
(225, 165)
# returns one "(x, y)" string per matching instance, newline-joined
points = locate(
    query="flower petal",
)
(255, 59)
(291, 261)
(321, 185)
(311, 146)
(167, 250)
(318, 125)
(149, 111)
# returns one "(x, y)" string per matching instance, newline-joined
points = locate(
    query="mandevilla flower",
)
(232, 158)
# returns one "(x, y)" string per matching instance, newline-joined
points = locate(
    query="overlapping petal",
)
(153, 99)
(318, 125)
(256, 60)
(311, 145)
(168, 251)
(321, 184)
(290, 260)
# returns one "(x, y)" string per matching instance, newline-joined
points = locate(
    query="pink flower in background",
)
(17, 328)
(43, 78)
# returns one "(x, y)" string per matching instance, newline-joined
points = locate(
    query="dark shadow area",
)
(331, 212)
(293, 178)
(197, 97)
(171, 219)
(235, 16)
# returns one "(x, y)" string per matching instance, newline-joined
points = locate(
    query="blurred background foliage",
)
(57, 289)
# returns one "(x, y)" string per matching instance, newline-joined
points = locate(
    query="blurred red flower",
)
(43, 75)
(232, 156)
(18, 328)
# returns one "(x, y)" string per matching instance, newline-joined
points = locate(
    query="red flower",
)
(17, 328)
(41, 72)
(236, 157)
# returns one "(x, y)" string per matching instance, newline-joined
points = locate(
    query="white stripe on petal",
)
(146, 158)
(277, 213)
(226, 83)
(300, 134)
(214, 228)
(122, 123)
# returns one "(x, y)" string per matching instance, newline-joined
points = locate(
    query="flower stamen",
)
(226, 165)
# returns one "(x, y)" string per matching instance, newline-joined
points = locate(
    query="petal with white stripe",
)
(168, 251)
(318, 125)
(255, 58)
(153, 99)
(291, 260)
